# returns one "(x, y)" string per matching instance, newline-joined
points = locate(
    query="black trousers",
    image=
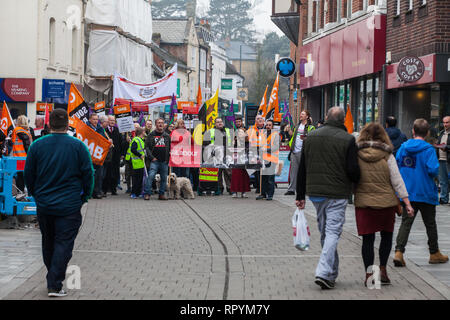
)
(58, 238)
(368, 252)
(138, 180)
(111, 174)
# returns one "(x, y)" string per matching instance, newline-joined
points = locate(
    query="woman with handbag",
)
(376, 202)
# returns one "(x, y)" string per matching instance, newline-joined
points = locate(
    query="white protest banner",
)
(158, 92)
(124, 118)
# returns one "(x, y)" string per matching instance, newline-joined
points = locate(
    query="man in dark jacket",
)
(397, 137)
(328, 167)
(59, 175)
(157, 149)
(94, 125)
(112, 168)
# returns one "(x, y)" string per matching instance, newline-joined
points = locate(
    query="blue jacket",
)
(418, 166)
(59, 174)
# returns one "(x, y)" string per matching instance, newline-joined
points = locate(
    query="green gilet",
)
(213, 134)
(137, 162)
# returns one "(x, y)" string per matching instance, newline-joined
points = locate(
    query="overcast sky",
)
(261, 14)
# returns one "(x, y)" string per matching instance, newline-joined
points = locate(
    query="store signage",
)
(410, 69)
(17, 90)
(227, 84)
(53, 89)
(286, 67)
(243, 94)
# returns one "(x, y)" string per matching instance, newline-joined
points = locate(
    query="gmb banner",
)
(97, 144)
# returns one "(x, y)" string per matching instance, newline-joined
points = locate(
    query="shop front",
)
(17, 93)
(344, 69)
(419, 87)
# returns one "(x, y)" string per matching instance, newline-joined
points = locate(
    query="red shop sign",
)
(17, 90)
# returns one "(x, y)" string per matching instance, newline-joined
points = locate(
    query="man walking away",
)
(444, 156)
(328, 167)
(397, 137)
(418, 166)
(60, 177)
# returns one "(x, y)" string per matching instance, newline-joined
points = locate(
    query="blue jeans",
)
(157, 167)
(330, 219)
(443, 179)
(58, 238)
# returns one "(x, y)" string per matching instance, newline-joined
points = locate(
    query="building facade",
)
(418, 57)
(44, 53)
(377, 57)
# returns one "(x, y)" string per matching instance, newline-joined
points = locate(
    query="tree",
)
(274, 44)
(230, 19)
(168, 8)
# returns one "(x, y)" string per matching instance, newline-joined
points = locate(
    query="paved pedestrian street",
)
(212, 248)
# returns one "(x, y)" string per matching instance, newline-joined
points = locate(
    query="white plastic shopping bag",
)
(301, 230)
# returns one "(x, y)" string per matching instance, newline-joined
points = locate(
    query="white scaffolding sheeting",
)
(132, 16)
(110, 52)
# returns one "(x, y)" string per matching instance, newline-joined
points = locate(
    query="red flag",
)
(6, 120)
(199, 96)
(273, 107)
(47, 116)
(349, 120)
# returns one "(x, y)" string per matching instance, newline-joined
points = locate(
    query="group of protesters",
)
(386, 173)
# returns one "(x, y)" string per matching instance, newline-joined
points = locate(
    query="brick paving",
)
(210, 248)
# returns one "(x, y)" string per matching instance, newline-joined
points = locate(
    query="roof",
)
(167, 57)
(174, 30)
(238, 50)
(231, 69)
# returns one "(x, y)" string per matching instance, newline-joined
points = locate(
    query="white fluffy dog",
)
(178, 185)
(158, 181)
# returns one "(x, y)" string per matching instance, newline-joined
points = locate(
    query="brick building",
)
(419, 29)
(345, 49)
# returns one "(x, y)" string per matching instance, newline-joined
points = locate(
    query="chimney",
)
(156, 38)
(191, 8)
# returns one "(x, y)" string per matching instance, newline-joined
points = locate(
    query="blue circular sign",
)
(286, 67)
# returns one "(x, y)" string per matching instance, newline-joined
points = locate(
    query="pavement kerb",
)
(411, 266)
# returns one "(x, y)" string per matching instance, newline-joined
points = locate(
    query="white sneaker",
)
(244, 195)
(234, 195)
(57, 294)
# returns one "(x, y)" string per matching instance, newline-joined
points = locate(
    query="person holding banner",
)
(270, 156)
(157, 148)
(240, 181)
(181, 136)
(59, 175)
(256, 143)
(93, 124)
(221, 138)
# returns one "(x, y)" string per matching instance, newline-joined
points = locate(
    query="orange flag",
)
(349, 120)
(273, 106)
(199, 96)
(97, 144)
(6, 120)
(263, 105)
(77, 108)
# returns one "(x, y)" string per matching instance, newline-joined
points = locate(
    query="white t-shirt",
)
(298, 139)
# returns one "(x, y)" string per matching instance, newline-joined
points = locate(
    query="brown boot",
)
(162, 197)
(368, 275)
(438, 257)
(398, 259)
(383, 276)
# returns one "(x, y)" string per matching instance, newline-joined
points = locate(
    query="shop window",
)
(369, 99)
(361, 105)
